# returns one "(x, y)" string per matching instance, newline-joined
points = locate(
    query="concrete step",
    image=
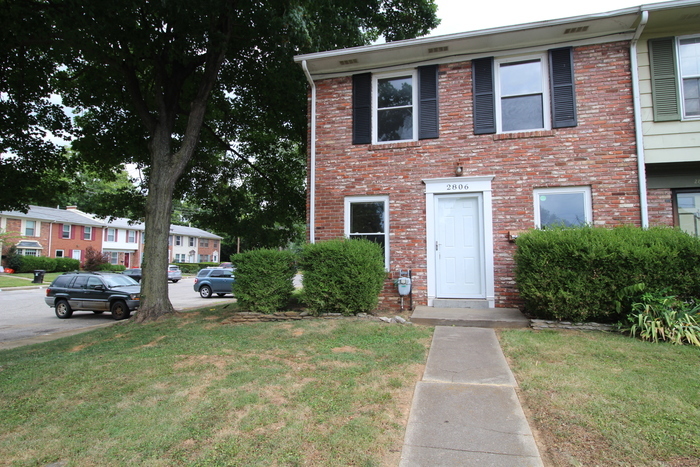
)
(470, 317)
(460, 303)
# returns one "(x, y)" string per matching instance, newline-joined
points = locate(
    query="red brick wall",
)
(599, 152)
(660, 207)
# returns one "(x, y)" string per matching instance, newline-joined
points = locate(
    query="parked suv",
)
(174, 273)
(214, 281)
(93, 291)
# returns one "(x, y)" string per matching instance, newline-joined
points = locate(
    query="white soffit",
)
(617, 25)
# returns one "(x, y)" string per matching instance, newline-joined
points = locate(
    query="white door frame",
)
(458, 185)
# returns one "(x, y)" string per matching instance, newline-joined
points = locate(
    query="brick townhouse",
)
(442, 149)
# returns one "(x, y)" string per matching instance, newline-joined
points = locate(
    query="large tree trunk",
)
(154, 284)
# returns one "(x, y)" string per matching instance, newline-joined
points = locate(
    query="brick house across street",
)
(442, 149)
(57, 233)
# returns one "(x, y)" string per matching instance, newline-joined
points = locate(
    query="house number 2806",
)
(457, 187)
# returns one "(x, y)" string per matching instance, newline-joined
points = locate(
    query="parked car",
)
(214, 281)
(93, 291)
(134, 273)
(174, 273)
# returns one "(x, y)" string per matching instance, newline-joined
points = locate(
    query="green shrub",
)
(577, 274)
(264, 279)
(658, 317)
(107, 267)
(12, 259)
(342, 276)
(32, 263)
(67, 264)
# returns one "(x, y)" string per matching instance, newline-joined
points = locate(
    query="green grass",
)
(608, 400)
(194, 390)
(25, 279)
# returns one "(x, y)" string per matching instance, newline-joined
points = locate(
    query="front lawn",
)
(194, 390)
(608, 400)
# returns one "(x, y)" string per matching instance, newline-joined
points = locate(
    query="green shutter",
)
(664, 82)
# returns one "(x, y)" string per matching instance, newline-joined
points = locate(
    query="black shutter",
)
(664, 82)
(428, 121)
(484, 104)
(362, 108)
(561, 71)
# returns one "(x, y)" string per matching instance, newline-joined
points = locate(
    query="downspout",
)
(641, 169)
(312, 155)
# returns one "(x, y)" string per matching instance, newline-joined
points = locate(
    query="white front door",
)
(459, 246)
(76, 254)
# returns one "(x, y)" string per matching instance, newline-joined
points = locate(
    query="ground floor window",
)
(368, 217)
(203, 258)
(59, 253)
(566, 206)
(27, 252)
(113, 256)
(687, 211)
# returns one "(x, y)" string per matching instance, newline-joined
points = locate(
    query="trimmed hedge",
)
(578, 274)
(31, 263)
(193, 268)
(264, 279)
(342, 276)
(67, 264)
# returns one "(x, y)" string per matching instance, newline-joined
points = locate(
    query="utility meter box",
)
(404, 284)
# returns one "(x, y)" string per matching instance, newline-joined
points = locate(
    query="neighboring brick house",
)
(668, 54)
(443, 148)
(69, 232)
(193, 245)
(56, 233)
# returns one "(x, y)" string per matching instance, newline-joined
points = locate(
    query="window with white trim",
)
(689, 53)
(394, 105)
(113, 257)
(368, 217)
(87, 233)
(566, 206)
(178, 240)
(131, 236)
(29, 228)
(59, 254)
(191, 241)
(65, 232)
(111, 235)
(27, 252)
(522, 94)
(687, 211)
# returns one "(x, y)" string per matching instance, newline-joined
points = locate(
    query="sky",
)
(470, 15)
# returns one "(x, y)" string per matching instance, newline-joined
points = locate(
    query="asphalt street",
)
(24, 315)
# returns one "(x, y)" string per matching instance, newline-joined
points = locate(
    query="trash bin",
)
(38, 276)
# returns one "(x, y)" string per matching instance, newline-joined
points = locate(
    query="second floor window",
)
(690, 75)
(87, 233)
(191, 241)
(395, 115)
(111, 235)
(178, 240)
(131, 236)
(65, 233)
(30, 228)
(521, 96)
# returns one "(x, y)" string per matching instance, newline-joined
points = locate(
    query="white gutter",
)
(641, 163)
(312, 152)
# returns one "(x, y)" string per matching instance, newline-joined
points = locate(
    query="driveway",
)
(25, 318)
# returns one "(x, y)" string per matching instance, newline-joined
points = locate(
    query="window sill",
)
(398, 145)
(523, 134)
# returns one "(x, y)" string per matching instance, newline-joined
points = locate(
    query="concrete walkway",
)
(465, 411)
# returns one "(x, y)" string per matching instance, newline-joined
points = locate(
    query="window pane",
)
(521, 78)
(522, 113)
(394, 124)
(690, 56)
(689, 212)
(367, 218)
(691, 96)
(394, 92)
(562, 209)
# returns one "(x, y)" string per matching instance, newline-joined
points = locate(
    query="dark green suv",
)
(93, 291)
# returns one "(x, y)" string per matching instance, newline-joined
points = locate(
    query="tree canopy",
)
(202, 95)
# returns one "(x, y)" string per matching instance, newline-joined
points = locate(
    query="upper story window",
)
(87, 233)
(394, 108)
(111, 235)
(131, 236)
(522, 95)
(674, 69)
(204, 242)
(565, 207)
(65, 232)
(528, 93)
(29, 228)
(368, 218)
(689, 49)
(400, 106)
(191, 241)
(178, 240)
